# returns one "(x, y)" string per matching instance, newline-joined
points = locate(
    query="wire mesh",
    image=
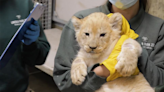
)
(46, 18)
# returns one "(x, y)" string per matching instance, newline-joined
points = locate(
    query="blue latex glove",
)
(32, 33)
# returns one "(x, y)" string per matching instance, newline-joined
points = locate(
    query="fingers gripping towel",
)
(112, 59)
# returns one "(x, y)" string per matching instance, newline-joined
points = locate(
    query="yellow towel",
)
(112, 59)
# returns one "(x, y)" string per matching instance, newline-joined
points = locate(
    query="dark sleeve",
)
(36, 53)
(159, 88)
(152, 65)
(67, 51)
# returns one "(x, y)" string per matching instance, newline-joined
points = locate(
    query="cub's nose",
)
(93, 48)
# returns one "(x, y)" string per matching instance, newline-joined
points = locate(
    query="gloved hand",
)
(32, 33)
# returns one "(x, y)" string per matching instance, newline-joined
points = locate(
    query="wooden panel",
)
(156, 8)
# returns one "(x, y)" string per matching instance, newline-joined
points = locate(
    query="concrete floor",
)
(40, 81)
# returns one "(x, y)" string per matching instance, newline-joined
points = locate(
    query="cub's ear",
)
(76, 23)
(115, 22)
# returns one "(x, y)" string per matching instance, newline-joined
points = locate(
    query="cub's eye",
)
(102, 35)
(87, 34)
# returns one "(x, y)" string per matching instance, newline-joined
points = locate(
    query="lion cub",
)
(97, 35)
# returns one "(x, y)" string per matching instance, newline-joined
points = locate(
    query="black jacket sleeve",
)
(36, 53)
(67, 51)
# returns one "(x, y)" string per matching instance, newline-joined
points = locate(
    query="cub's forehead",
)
(95, 22)
(96, 19)
(95, 25)
(96, 29)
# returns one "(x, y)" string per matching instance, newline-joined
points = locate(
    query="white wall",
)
(66, 8)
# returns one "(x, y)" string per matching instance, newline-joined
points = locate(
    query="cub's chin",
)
(94, 51)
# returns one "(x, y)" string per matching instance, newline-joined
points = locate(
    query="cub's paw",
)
(127, 63)
(78, 72)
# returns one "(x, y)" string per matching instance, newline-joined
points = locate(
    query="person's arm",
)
(36, 52)
(67, 51)
(102, 71)
(152, 66)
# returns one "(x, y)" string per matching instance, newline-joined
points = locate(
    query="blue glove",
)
(32, 33)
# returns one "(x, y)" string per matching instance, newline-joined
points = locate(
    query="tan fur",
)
(90, 34)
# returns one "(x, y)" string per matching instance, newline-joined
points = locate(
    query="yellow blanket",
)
(112, 59)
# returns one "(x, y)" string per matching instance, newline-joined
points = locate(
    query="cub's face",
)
(95, 32)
